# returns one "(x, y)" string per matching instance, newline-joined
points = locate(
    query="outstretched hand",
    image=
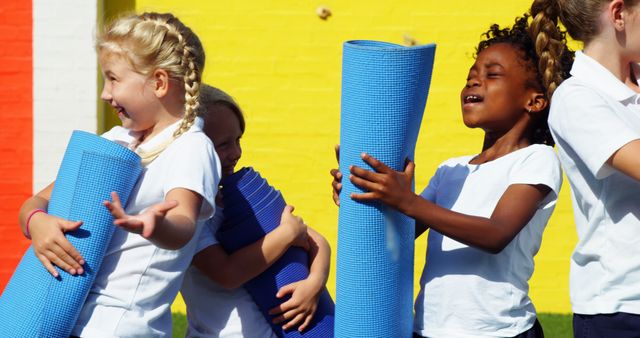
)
(143, 224)
(337, 178)
(301, 307)
(385, 184)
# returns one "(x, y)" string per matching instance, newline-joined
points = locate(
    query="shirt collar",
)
(591, 71)
(167, 133)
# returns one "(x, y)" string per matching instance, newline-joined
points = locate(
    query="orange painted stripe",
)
(16, 131)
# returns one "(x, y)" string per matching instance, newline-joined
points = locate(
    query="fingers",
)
(410, 167)
(47, 264)
(288, 209)
(294, 322)
(115, 207)
(375, 164)
(307, 321)
(364, 173)
(165, 206)
(366, 181)
(337, 149)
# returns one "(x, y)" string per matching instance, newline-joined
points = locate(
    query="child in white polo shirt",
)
(595, 120)
(486, 212)
(217, 304)
(152, 65)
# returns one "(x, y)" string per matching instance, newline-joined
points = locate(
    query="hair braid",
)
(151, 41)
(192, 81)
(550, 45)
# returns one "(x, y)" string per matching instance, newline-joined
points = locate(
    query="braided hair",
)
(151, 41)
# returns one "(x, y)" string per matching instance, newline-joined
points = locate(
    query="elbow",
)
(229, 282)
(495, 247)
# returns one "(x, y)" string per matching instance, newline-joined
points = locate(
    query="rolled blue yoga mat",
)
(384, 92)
(252, 209)
(35, 304)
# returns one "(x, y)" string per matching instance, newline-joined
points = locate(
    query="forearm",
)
(38, 201)
(173, 232)
(232, 271)
(319, 258)
(480, 232)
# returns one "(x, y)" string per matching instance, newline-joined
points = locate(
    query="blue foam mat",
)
(35, 304)
(384, 92)
(253, 209)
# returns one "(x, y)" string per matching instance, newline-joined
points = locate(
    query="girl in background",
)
(152, 65)
(217, 305)
(595, 121)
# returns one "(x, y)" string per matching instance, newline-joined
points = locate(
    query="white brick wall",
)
(64, 80)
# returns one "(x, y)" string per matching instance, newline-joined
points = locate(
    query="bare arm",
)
(513, 211)
(627, 159)
(169, 224)
(233, 270)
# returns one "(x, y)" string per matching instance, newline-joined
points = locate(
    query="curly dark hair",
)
(548, 74)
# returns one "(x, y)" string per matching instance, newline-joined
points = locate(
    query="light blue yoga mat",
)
(35, 304)
(384, 92)
(253, 209)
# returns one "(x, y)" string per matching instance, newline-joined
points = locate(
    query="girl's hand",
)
(337, 179)
(143, 224)
(296, 227)
(51, 246)
(301, 307)
(387, 185)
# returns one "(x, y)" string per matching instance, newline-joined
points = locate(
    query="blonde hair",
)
(579, 17)
(151, 41)
(210, 96)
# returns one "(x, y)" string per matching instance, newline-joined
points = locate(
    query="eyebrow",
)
(493, 64)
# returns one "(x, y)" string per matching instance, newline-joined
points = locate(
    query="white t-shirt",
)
(138, 281)
(213, 311)
(467, 292)
(593, 114)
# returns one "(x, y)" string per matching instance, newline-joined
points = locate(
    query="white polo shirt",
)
(138, 281)
(593, 114)
(213, 311)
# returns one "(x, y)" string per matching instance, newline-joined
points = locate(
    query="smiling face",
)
(496, 93)
(223, 128)
(130, 93)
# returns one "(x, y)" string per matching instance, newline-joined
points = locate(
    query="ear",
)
(617, 14)
(537, 103)
(160, 79)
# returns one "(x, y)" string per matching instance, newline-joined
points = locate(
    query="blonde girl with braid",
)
(595, 120)
(152, 65)
(486, 212)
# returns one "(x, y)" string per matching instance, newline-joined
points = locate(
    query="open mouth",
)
(472, 99)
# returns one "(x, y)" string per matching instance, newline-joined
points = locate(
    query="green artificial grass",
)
(554, 325)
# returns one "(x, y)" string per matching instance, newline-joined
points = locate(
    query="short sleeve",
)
(208, 234)
(585, 121)
(429, 193)
(540, 166)
(194, 165)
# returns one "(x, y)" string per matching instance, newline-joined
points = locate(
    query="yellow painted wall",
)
(282, 63)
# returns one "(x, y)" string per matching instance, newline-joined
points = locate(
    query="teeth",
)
(472, 98)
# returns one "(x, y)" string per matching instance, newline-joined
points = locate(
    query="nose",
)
(472, 81)
(236, 152)
(106, 93)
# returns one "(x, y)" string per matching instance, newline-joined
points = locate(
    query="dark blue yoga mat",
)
(35, 304)
(384, 92)
(252, 208)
